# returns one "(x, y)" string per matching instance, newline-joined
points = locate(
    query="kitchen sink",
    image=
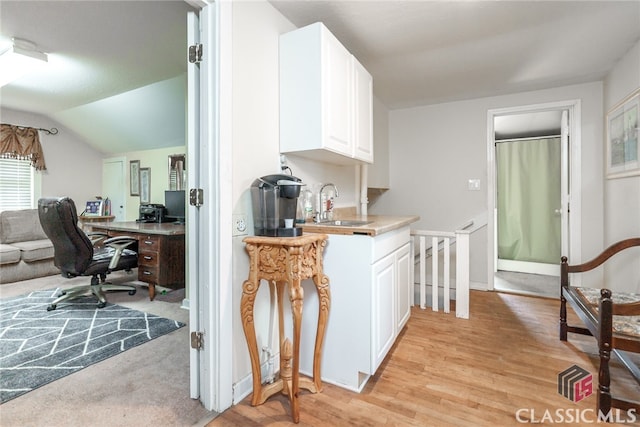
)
(345, 223)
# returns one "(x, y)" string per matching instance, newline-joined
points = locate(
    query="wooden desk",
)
(282, 261)
(161, 251)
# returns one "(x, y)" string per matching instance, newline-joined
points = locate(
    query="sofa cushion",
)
(20, 226)
(9, 254)
(35, 250)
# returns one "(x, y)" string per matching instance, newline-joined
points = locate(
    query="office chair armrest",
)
(119, 243)
(96, 236)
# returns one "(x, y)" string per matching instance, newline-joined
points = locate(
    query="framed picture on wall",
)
(145, 185)
(622, 138)
(134, 177)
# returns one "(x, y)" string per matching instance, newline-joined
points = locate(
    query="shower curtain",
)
(528, 200)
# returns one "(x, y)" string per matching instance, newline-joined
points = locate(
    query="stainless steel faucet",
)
(323, 207)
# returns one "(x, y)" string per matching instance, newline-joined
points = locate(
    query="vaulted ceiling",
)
(117, 69)
(116, 72)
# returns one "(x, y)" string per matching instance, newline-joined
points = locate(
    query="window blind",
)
(16, 184)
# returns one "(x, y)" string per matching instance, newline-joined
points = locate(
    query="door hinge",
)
(195, 53)
(197, 340)
(196, 197)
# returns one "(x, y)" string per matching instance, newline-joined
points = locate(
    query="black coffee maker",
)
(275, 200)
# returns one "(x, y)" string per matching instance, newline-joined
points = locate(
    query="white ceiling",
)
(419, 52)
(117, 69)
(426, 52)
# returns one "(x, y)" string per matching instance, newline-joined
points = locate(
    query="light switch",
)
(474, 185)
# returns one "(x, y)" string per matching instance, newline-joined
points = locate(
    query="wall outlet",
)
(474, 185)
(239, 225)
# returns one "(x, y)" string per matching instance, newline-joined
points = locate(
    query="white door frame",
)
(210, 256)
(575, 180)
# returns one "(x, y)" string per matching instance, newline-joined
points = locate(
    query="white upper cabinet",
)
(325, 99)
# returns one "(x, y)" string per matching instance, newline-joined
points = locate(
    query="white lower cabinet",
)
(370, 304)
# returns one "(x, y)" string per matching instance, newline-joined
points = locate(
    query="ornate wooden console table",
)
(282, 261)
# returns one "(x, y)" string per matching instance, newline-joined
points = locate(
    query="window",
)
(16, 184)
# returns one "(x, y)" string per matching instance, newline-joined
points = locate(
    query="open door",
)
(568, 219)
(208, 241)
(193, 213)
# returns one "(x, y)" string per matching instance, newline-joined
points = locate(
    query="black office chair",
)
(76, 255)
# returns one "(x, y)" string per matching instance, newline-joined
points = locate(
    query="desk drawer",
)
(148, 259)
(149, 244)
(148, 274)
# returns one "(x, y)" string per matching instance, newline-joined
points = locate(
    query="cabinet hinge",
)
(195, 53)
(197, 340)
(196, 197)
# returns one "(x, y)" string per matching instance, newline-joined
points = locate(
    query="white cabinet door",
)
(404, 287)
(322, 87)
(337, 93)
(383, 325)
(363, 113)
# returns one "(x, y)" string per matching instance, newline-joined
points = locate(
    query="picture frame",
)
(145, 185)
(623, 139)
(134, 177)
(94, 208)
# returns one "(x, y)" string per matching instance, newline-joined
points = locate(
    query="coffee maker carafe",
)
(275, 201)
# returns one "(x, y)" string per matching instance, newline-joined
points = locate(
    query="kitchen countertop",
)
(380, 224)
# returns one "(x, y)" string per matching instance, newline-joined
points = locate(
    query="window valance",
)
(17, 142)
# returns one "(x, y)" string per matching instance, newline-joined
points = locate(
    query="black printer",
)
(152, 213)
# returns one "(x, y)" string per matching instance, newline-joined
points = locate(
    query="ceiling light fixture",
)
(20, 59)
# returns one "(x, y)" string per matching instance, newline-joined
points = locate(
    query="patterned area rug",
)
(39, 346)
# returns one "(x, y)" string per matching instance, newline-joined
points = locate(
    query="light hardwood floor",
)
(445, 371)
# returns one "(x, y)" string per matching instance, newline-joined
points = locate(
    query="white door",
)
(193, 213)
(404, 286)
(209, 159)
(114, 187)
(382, 311)
(338, 75)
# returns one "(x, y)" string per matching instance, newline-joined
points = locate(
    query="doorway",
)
(113, 186)
(531, 151)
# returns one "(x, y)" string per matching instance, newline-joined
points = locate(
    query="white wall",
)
(256, 27)
(435, 149)
(622, 195)
(157, 161)
(256, 30)
(74, 169)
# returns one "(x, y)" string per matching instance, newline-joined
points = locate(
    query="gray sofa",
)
(25, 251)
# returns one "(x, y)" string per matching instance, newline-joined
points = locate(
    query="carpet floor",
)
(147, 385)
(39, 346)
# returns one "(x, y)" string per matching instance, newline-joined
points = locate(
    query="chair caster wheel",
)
(51, 307)
(102, 304)
(132, 292)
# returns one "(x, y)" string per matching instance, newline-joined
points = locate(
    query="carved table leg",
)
(324, 301)
(296, 295)
(249, 290)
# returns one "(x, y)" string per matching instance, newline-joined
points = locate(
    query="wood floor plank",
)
(445, 371)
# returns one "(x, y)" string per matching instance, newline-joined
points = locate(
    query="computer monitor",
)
(174, 201)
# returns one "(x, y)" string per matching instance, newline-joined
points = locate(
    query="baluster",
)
(447, 274)
(434, 273)
(423, 273)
